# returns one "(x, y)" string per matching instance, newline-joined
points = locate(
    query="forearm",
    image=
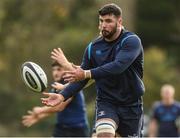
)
(113, 68)
(73, 88)
(43, 115)
(89, 83)
(68, 66)
(49, 110)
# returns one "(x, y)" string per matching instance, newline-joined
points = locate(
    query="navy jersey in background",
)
(166, 117)
(72, 121)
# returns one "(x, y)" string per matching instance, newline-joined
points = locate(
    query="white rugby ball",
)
(34, 76)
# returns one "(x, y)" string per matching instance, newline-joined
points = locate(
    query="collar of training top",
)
(120, 35)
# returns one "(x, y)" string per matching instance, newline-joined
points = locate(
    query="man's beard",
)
(107, 34)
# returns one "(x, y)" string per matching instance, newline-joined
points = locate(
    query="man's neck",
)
(115, 36)
(168, 103)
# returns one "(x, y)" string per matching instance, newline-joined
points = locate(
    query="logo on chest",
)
(98, 52)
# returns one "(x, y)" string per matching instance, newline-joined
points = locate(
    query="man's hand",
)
(58, 55)
(58, 86)
(53, 99)
(30, 119)
(72, 76)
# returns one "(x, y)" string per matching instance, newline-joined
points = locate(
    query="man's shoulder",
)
(126, 31)
(97, 40)
(177, 104)
(127, 34)
(94, 42)
(157, 105)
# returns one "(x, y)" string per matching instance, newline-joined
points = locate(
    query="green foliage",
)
(157, 22)
(29, 30)
(158, 70)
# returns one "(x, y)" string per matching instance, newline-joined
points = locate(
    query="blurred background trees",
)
(30, 29)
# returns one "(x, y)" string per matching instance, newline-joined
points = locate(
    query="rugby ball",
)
(34, 77)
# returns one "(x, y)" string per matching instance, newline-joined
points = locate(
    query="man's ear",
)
(99, 27)
(119, 22)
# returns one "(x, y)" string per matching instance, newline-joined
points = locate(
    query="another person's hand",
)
(58, 55)
(58, 86)
(53, 99)
(38, 110)
(30, 119)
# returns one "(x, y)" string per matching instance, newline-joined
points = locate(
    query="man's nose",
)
(104, 25)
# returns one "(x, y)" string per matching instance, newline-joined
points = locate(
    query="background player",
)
(71, 121)
(166, 115)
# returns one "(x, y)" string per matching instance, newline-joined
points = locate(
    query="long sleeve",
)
(130, 50)
(74, 88)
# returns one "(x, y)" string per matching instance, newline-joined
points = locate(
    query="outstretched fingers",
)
(25, 117)
(27, 120)
(58, 86)
(70, 80)
(46, 94)
(57, 52)
(30, 112)
(55, 58)
(54, 54)
(44, 100)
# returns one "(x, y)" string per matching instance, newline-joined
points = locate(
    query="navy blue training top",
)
(117, 68)
(167, 117)
(74, 115)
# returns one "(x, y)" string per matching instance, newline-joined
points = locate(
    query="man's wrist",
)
(87, 74)
(67, 65)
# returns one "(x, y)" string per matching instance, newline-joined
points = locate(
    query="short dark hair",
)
(55, 63)
(110, 9)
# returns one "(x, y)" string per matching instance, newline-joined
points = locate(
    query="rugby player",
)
(165, 120)
(115, 61)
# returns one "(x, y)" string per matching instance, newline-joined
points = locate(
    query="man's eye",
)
(108, 21)
(100, 21)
